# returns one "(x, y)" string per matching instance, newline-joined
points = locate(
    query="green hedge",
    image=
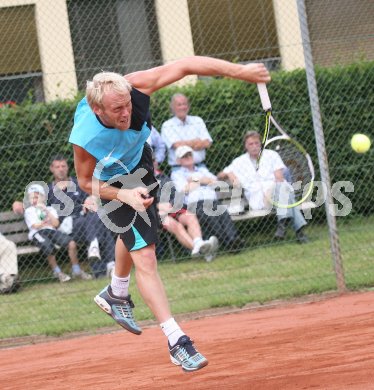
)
(32, 133)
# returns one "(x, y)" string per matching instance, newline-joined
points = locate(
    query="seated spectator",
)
(85, 228)
(42, 221)
(91, 205)
(158, 145)
(258, 183)
(8, 266)
(18, 207)
(183, 224)
(196, 183)
(185, 130)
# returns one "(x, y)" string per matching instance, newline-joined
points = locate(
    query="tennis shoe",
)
(62, 277)
(120, 309)
(213, 240)
(201, 248)
(186, 355)
(82, 275)
(301, 237)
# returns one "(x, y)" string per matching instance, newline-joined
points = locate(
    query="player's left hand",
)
(138, 198)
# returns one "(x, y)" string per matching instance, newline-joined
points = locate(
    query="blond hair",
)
(103, 83)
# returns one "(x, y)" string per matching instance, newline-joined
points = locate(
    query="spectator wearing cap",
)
(82, 223)
(42, 221)
(182, 224)
(197, 183)
(185, 130)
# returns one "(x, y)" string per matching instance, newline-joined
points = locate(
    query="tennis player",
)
(112, 158)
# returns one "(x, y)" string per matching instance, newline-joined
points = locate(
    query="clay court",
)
(323, 344)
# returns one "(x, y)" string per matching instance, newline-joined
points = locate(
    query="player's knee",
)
(145, 259)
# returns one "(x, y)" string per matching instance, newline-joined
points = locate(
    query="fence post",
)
(321, 148)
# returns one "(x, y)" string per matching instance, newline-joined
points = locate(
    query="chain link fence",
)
(49, 48)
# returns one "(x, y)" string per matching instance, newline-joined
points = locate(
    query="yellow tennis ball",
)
(360, 143)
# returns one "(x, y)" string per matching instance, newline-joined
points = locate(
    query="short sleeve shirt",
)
(180, 178)
(256, 182)
(116, 152)
(174, 130)
(33, 215)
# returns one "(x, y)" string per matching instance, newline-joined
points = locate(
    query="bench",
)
(14, 228)
(238, 208)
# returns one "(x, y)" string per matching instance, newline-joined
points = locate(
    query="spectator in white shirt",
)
(157, 144)
(42, 221)
(257, 184)
(197, 185)
(185, 130)
(8, 266)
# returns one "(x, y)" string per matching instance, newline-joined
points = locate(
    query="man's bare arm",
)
(151, 80)
(195, 144)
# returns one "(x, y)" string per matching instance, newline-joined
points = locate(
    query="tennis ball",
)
(360, 143)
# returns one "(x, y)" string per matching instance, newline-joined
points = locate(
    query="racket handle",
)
(264, 96)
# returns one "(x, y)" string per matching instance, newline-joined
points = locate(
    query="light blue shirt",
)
(116, 151)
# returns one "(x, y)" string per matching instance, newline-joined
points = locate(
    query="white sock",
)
(172, 331)
(94, 244)
(76, 269)
(120, 286)
(196, 240)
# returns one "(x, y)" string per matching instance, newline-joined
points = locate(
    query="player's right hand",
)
(138, 198)
(255, 73)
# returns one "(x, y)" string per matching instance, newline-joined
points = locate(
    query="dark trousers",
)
(220, 226)
(88, 227)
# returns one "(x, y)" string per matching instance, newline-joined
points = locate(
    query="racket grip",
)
(264, 96)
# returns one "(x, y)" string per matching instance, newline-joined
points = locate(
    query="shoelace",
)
(125, 308)
(186, 349)
(125, 311)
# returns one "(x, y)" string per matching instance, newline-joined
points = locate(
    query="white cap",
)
(36, 188)
(182, 151)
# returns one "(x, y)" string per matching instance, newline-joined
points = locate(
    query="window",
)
(234, 30)
(20, 66)
(113, 35)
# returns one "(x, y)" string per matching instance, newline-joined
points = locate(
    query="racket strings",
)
(297, 172)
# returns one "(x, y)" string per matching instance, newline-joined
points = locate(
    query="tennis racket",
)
(299, 174)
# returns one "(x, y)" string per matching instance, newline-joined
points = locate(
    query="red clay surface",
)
(327, 344)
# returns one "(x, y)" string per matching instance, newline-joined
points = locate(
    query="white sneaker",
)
(110, 269)
(214, 248)
(62, 277)
(201, 248)
(236, 209)
(94, 253)
(82, 275)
